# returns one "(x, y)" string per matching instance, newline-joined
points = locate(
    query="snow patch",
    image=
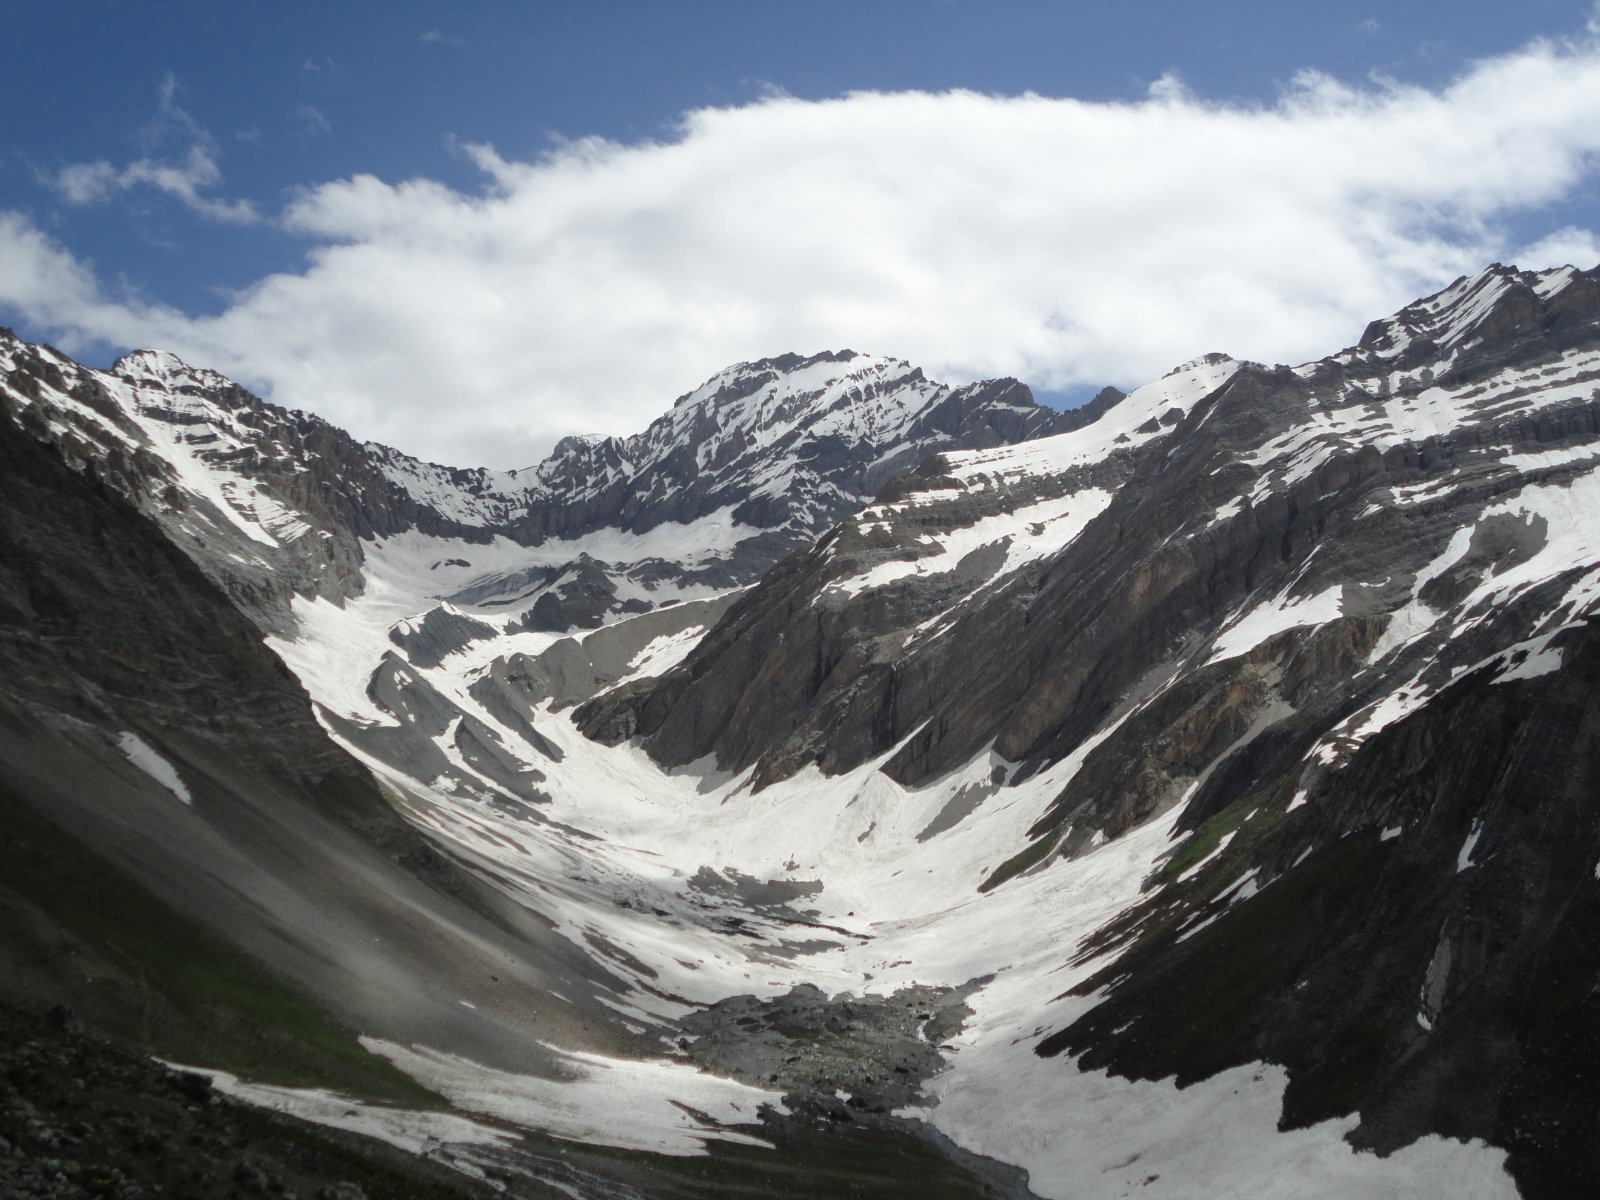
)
(142, 755)
(630, 1104)
(1464, 855)
(443, 1137)
(1273, 617)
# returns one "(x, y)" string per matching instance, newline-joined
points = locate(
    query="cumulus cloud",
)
(1066, 242)
(187, 174)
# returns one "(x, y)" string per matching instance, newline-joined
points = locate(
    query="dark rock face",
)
(803, 671)
(571, 671)
(442, 632)
(581, 596)
(105, 621)
(1437, 980)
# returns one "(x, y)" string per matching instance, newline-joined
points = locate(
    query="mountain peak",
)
(166, 371)
(1493, 300)
(792, 374)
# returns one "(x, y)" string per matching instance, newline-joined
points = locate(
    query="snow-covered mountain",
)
(1174, 798)
(275, 504)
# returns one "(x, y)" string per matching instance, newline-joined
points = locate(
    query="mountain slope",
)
(1243, 610)
(142, 715)
(1235, 733)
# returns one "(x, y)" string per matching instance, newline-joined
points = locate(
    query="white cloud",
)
(437, 37)
(1580, 247)
(1369, 25)
(187, 175)
(312, 120)
(58, 291)
(1061, 241)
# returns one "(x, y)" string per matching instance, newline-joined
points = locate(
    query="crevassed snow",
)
(140, 753)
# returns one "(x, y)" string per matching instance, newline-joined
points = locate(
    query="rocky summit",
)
(849, 785)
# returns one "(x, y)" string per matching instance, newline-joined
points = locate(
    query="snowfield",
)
(913, 904)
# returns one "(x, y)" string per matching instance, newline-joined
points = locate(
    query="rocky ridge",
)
(276, 503)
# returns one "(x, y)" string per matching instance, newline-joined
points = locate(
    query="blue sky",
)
(389, 213)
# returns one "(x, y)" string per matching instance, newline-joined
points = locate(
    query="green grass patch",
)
(1031, 855)
(78, 931)
(1250, 818)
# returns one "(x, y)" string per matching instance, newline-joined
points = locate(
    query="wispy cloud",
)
(316, 66)
(1369, 26)
(1062, 241)
(181, 160)
(436, 37)
(312, 120)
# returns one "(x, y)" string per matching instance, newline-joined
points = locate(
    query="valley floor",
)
(691, 889)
